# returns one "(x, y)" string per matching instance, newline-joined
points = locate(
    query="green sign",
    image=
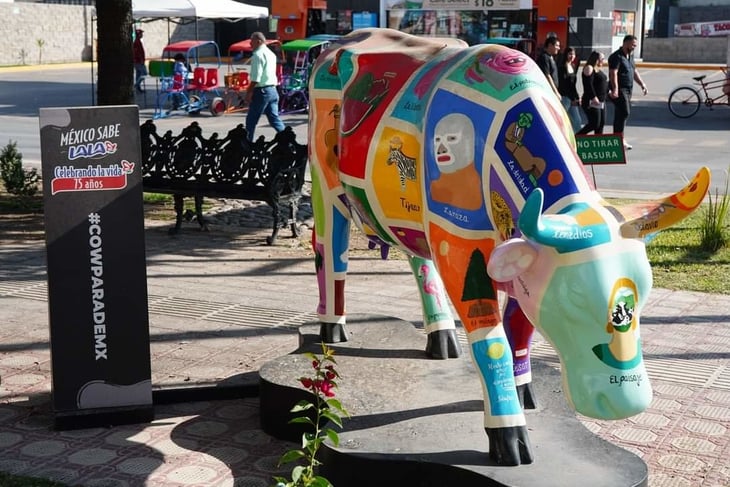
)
(601, 149)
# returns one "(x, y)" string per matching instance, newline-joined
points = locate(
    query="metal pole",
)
(93, 90)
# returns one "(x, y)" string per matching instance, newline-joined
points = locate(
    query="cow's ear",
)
(642, 219)
(510, 259)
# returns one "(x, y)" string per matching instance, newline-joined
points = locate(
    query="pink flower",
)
(306, 382)
(326, 388)
(315, 364)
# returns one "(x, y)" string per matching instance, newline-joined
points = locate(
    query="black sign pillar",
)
(97, 281)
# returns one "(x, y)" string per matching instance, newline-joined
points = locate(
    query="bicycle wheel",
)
(684, 102)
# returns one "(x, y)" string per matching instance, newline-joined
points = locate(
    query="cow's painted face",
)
(583, 287)
(590, 312)
(453, 142)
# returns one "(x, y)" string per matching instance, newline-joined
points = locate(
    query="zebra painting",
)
(405, 165)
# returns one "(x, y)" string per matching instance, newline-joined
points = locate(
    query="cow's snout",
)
(599, 392)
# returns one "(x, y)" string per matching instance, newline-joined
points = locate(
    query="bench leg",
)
(179, 206)
(277, 219)
(199, 213)
(293, 207)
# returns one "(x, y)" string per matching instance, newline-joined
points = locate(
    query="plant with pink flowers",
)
(325, 408)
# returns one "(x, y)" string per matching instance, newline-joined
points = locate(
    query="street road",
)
(667, 150)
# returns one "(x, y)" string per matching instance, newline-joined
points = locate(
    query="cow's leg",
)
(437, 320)
(504, 419)
(519, 333)
(331, 240)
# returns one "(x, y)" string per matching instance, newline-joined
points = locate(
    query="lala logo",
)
(93, 150)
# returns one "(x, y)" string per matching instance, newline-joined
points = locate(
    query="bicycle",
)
(685, 101)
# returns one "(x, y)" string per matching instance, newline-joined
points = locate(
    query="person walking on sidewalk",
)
(595, 91)
(262, 96)
(140, 69)
(546, 62)
(567, 78)
(622, 74)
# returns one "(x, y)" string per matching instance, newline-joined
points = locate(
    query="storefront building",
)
(474, 21)
(584, 24)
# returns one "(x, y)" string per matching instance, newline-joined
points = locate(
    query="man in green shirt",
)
(262, 96)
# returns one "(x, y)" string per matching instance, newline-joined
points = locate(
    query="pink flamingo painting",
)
(430, 286)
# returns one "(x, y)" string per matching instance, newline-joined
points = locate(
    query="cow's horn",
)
(532, 223)
(641, 219)
(562, 232)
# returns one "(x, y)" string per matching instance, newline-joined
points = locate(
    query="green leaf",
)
(291, 456)
(333, 417)
(311, 356)
(301, 419)
(320, 482)
(336, 404)
(302, 406)
(333, 436)
(296, 473)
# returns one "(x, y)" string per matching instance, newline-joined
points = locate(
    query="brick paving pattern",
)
(222, 303)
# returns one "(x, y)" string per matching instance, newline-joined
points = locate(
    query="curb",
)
(660, 65)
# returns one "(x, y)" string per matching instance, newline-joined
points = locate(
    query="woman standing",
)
(567, 78)
(595, 90)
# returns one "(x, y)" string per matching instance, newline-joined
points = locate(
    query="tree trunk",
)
(114, 26)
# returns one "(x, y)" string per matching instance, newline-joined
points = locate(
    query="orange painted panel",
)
(462, 264)
(325, 138)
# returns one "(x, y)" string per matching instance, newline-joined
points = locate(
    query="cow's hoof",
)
(527, 397)
(443, 344)
(332, 332)
(509, 446)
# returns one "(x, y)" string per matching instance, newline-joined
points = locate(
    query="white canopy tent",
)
(196, 9)
(203, 9)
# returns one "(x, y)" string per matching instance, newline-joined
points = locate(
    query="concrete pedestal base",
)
(419, 422)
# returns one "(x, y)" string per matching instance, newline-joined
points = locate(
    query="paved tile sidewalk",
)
(222, 303)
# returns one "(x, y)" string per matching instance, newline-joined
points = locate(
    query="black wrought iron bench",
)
(189, 165)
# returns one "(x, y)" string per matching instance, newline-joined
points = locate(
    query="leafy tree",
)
(114, 27)
(478, 286)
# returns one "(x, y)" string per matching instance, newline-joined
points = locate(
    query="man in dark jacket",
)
(547, 64)
(621, 76)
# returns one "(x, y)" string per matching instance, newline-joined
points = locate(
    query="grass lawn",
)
(678, 262)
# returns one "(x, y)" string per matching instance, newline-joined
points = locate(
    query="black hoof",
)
(509, 446)
(526, 394)
(332, 333)
(443, 344)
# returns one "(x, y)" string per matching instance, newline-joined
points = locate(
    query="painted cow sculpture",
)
(463, 158)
